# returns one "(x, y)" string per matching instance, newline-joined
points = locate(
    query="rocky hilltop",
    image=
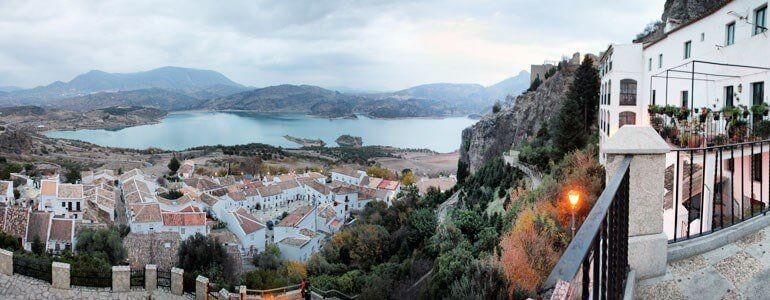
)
(347, 140)
(497, 132)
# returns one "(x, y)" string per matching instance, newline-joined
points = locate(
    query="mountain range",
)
(175, 88)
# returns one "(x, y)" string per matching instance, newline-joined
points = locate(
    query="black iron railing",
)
(137, 278)
(164, 278)
(710, 128)
(712, 188)
(595, 263)
(92, 279)
(31, 267)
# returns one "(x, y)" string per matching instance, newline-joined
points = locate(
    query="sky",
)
(356, 45)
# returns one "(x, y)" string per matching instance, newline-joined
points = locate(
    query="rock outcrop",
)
(347, 140)
(496, 133)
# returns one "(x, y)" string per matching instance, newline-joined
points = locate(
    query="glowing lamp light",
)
(573, 197)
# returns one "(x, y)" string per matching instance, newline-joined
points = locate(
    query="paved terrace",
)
(740, 270)
(22, 287)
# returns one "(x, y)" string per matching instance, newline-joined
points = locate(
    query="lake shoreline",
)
(182, 130)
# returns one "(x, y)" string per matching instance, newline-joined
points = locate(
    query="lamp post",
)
(573, 197)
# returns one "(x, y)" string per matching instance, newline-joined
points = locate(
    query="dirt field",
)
(423, 164)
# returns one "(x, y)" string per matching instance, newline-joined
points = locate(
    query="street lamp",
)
(573, 197)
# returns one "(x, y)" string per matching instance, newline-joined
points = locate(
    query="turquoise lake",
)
(180, 131)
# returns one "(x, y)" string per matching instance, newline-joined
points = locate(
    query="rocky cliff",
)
(497, 132)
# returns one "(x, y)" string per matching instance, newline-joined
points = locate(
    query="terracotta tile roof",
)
(185, 168)
(327, 211)
(250, 191)
(344, 190)
(70, 191)
(293, 218)
(179, 201)
(442, 183)
(38, 225)
(287, 177)
(62, 230)
(366, 194)
(209, 199)
(287, 185)
(315, 175)
(247, 221)
(292, 241)
(5, 186)
(371, 182)
(388, 185)
(335, 223)
(237, 196)
(269, 190)
(145, 213)
(321, 188)
(48, 187)
(347, 171)
(130, 174)
(202, 183)
(227, 180)
(184, 218)
(16, 220)
(307, 232)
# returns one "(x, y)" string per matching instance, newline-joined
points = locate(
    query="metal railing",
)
(710, 129)
(137, 277)
(595, 263)
(332, 294)
(92, 279)
(712, 188)
(164, 278)
(275, 291)
(35, 268)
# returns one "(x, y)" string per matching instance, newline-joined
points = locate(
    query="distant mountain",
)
(10, 88)
(154, 98)
(196, 83)
(471, 98)
(289, 98)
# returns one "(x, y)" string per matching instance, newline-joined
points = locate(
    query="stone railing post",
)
(647, 243)
(6, 262)
(150, 278)
(242, 292)
(224, 294)
(201, 287)
(121, 278)
(177, 281)
(60, 275)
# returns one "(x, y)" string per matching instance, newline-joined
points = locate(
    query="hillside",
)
(497, 132)
(154, 97)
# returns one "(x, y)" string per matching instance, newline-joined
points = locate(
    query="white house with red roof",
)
(347, 175)
(297, 236)
(186, 170)
(187, 222)
(250, 232)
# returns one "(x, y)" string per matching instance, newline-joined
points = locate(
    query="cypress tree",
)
(572, 125)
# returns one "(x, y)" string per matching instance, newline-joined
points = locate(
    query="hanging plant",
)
(716, 115)
(704, 113)
(683, 114)
(653, 109)
(759, 109)
(669, 110)
(744, 110)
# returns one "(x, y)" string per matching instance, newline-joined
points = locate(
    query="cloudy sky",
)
(363, 45)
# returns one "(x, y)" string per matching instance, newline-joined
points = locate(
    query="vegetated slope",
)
(289, 98)
(154, 97)
(497, 132)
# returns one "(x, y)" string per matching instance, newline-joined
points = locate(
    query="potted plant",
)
(761, 129)
(653, 109)
(715, 114)
(744, 110)
(704, 112)
(759, 109)
(719, 140)
(737, 129)
(669, 110)
(683, 114)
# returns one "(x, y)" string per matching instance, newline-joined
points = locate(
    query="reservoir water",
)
(180, 131)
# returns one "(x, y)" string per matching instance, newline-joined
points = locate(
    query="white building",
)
(348, 176)
(6, 191)
(187, 222)
(250, 232)
(297, 236)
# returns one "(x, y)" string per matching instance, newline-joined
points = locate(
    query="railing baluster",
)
(675, 196)
(597, 266)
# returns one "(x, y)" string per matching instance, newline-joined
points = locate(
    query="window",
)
(627, 118)
(609, 92)
(77, 206)
(649, 64)
(660, 60)
(730, 34)
(729, 96)
(685, 97)
(653, 97)
(756, 167)
(687, 49)
(758, 93)
(702, 36)
(628, 92)
(760, 20)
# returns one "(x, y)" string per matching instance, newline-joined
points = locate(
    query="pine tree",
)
(572, 126)
(173, 165)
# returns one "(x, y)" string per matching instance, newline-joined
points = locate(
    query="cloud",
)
(380, 45)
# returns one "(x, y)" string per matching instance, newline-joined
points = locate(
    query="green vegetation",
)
(73, 174)
(571, 127)
(202, 255)
(172, 195)
(173, 165)
(102, 241)
(496, 108)
(271, 272)
(535, 84)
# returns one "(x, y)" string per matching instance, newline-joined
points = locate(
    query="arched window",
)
(626, 118)
(628, 92)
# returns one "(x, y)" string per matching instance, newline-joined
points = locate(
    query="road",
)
(535, 178)
(443, 209)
